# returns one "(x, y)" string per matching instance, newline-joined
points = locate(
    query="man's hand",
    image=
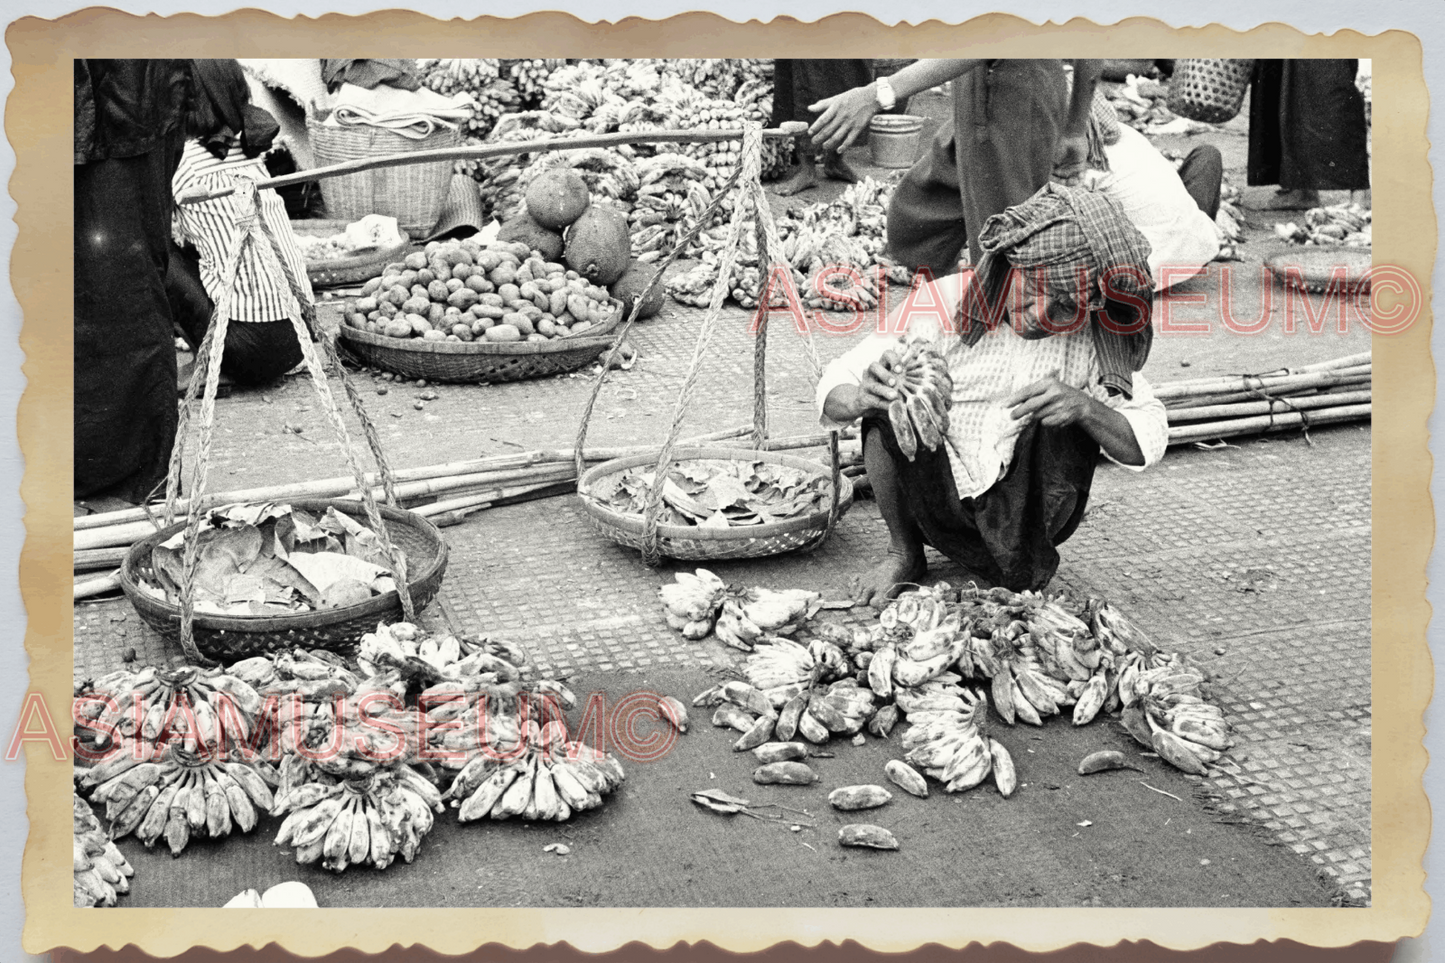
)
(1052, 403)
(879, 387)
(844, 118)
(1071, 159)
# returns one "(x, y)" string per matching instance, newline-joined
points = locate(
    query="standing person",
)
(796, 85)
(1015, 124)
(227, 137)
(128, 137)
(1034, 398)
(1307, 132)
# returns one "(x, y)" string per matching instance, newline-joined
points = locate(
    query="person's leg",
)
(802, 177)
(837, 168)
(925, 216)
(259, 352)
(1203, 175)
(904, 562)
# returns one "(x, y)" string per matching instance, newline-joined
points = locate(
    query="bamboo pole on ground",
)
(1273, 384)
(1266, 423)
(1279, 405)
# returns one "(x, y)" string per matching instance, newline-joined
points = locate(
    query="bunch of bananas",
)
(530, 77)
(175, 793)
(549, 778)
(480, 715)
(692, 602)
(101, 871)
(369, 819)
(492, 96)
(781, 668)
(196, 708)
(951, 747)
(749, 615)
(920, 415)
(1345, 225)
(670, 200)
(1165, 711)
(411, 652)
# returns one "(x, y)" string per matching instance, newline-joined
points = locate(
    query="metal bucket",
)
(893, 139)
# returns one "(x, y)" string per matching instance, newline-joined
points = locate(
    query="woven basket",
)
(411, 193)
(231, 638)
(1209, 91)
(347, 270)
(690, 543)
(480, 362)
(1312, 268)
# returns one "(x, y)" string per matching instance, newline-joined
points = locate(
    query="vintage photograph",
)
(588, 483)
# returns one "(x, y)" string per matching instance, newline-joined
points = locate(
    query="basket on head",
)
(231, 638)
(691, 543)
(480, 362)
(411, 193)
(1209, 91)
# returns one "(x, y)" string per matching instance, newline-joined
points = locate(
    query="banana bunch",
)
(101, 871)
(1341, 224)
(175, 793)
(692, 602)
(952, 748)
(781, 668)
(414, 654)
(491, 95)
(530, 77)
(1166, 711)
(191, 706)
(920, 416)
(748, 616)
(550, 778)
(670, 200)
(465, 718)
(358, 821)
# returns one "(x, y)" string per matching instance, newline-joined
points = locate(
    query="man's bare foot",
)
(804, 177)
(895, 573)
(1293, 200)
(837, 168)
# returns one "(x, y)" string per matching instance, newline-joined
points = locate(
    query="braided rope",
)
(750, 168)
(767, 243)
(702, 220)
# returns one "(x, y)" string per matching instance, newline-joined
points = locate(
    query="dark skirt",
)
(798, 83)
(1011, 115)
(1307, 126)
(1007, 535)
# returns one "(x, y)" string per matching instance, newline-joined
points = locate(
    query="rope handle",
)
(250, 228)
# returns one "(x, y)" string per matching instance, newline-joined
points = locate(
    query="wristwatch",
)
(884, 92)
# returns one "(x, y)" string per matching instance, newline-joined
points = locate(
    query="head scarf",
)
(1079, 244)
(222, 84)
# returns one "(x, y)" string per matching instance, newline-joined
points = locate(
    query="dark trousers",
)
(1203, 175)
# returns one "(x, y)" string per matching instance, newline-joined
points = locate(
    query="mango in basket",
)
(504, 332)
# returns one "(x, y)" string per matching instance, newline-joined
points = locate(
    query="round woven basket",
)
(347, 270)
(690, 543)
(231, 638)
(1314, 269)
(480, 362)
(412, 193)
(1209, 91)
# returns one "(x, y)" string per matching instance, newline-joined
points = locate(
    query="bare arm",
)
(845, 117)
(875, 392)
(1072, 156)
(1055, 404)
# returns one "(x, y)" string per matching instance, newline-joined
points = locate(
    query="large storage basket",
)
(412, 193)
(1209, 91)
(231, 638)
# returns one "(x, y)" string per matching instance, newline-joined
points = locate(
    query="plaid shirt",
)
(1062, 236)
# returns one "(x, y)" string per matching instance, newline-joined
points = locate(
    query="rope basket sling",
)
(251, 229)
(653, 539)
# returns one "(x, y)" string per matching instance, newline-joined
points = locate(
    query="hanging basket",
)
(480, 362)
(690, 543)
(229, 638)
(1209, 91)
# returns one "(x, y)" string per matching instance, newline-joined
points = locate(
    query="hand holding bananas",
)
(912, 386)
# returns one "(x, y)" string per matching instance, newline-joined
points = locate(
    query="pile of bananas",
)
(409, 651)
(782, 669)
(175, 793)
(814, 711)
(530, 78)
(692, 602)
(1166, 712)
(920, 416)
(695, 285)
(360, 820)
(492, 95)
(951, 747)
(548, 778)
(195, 708)
(101, 871)
(670, 200)
(500, 177)
(1346, 225)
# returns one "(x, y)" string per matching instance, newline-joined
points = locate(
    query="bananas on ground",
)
(416, 655)
(952, 748)
(692, 602)
(750, 615)
(176, 794)
(196, 708)
(547, 778)
(358, 821)
(1346, 225)
(101, 872)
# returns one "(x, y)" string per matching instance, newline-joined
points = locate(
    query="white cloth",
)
(982, 433)
(411, 113)
(1148, 188)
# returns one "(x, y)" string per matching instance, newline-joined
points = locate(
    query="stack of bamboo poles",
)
(1320, 394)
(445, 493)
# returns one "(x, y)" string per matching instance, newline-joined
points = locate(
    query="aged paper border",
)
(38, 125)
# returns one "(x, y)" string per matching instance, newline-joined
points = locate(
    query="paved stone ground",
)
(1253, 559)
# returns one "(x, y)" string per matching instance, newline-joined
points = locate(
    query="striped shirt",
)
(262, 292)
(982, 432)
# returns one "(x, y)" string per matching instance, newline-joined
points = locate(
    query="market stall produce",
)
(101, 871)
(1346, 225)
